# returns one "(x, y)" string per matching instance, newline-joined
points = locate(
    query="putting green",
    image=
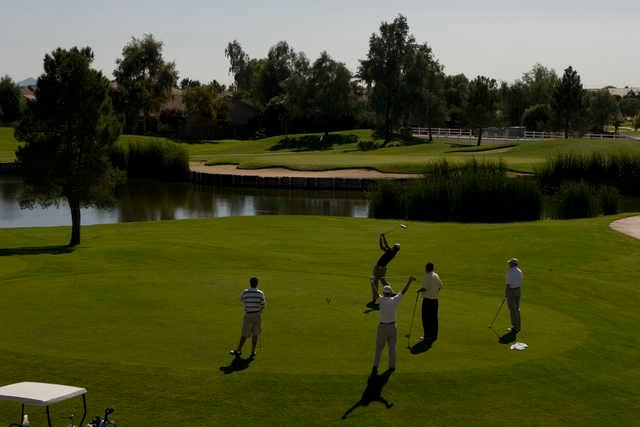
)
(143, 315)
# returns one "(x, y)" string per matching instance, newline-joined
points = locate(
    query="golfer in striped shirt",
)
(254, 302)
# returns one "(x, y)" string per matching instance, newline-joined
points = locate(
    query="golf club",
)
(495, 317)
(413, 316)
(402, 227)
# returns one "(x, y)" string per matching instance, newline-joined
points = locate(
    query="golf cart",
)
(42, 394)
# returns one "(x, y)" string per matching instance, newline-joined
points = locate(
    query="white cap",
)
(513, 261)
(387, 289)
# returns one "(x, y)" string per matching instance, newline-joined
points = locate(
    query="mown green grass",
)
(524, 156)
(143, 314)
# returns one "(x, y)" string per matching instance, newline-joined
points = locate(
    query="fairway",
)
(143, 315)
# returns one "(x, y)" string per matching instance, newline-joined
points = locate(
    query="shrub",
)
(469, 192)
(389, 200)
(367, 145)
(151, 159)
(576, 200)
(313, 142)
(609, 200)
(621, 171)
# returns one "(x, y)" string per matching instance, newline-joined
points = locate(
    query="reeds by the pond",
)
(151, 159)
(619, 170)
(468, 192)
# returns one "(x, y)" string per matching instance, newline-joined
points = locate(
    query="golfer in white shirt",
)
(513, 284)
(387, 331)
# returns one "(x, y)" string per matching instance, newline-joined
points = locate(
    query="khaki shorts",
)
(379, 271)
(251, 325)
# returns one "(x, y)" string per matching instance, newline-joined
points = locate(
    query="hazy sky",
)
(497, 38)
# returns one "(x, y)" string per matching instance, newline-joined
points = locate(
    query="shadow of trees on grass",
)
(37, 250)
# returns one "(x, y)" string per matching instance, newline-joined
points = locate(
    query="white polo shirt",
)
(388, 306)
(431, 285)
(514, 277)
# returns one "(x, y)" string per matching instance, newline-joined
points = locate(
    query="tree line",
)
(399, 83)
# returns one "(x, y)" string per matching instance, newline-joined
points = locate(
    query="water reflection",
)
(154, 201)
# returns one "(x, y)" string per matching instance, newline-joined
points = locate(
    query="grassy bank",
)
(398, 157)
(8, 145)
(142, 314)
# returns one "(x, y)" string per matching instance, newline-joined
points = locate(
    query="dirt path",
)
(629, 226)
(283, 172)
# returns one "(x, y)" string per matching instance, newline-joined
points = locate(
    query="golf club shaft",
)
(497, 312)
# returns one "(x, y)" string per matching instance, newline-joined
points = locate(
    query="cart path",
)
(629, 226)
(358, 173)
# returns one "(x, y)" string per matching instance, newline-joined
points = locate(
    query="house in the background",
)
(623, 91)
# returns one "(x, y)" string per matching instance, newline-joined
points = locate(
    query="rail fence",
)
(524, 135)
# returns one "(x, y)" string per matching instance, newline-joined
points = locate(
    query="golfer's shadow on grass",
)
(373, 392)
(372, 306)
(508, 338)
(421, 347)
(237, 364)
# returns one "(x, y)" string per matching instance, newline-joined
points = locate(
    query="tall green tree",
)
(423, 88)
(481, 107)
(68, 132)
(603, 109)
(201, 102)
(513, 102)
(240, 66)
(567, 99)
(456, 94)
(276, 69)
(144, 78)
(294, 102)
(539, 83)
(537, 117)
(630, 105)
(383, 70)
(10, 100)
(187, 83)
(330, 88)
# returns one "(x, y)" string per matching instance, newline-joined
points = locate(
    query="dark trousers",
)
(430, 318)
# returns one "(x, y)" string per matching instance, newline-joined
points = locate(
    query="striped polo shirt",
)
(253, 300)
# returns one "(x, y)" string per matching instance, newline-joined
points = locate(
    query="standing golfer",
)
(430, 291)
(513, 284)
(380, 269)
(387, 331)
(254, 302)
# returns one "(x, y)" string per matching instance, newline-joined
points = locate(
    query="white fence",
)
(448, 132)
(468, 134)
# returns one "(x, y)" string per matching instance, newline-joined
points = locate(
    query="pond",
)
(155, 201)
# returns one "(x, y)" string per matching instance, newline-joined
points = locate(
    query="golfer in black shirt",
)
(380, 269)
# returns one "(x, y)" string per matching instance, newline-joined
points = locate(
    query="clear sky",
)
(497, 38)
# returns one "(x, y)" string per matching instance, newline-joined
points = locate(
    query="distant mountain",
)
(28, 82)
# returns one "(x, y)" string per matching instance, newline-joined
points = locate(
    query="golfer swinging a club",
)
(380, 269)
(387, 330)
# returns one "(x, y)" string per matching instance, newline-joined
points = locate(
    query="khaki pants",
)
(387, 334)
(513, 301)
(378, 275)
(251, 325)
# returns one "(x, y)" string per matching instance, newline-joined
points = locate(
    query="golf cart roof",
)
(39, 394)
